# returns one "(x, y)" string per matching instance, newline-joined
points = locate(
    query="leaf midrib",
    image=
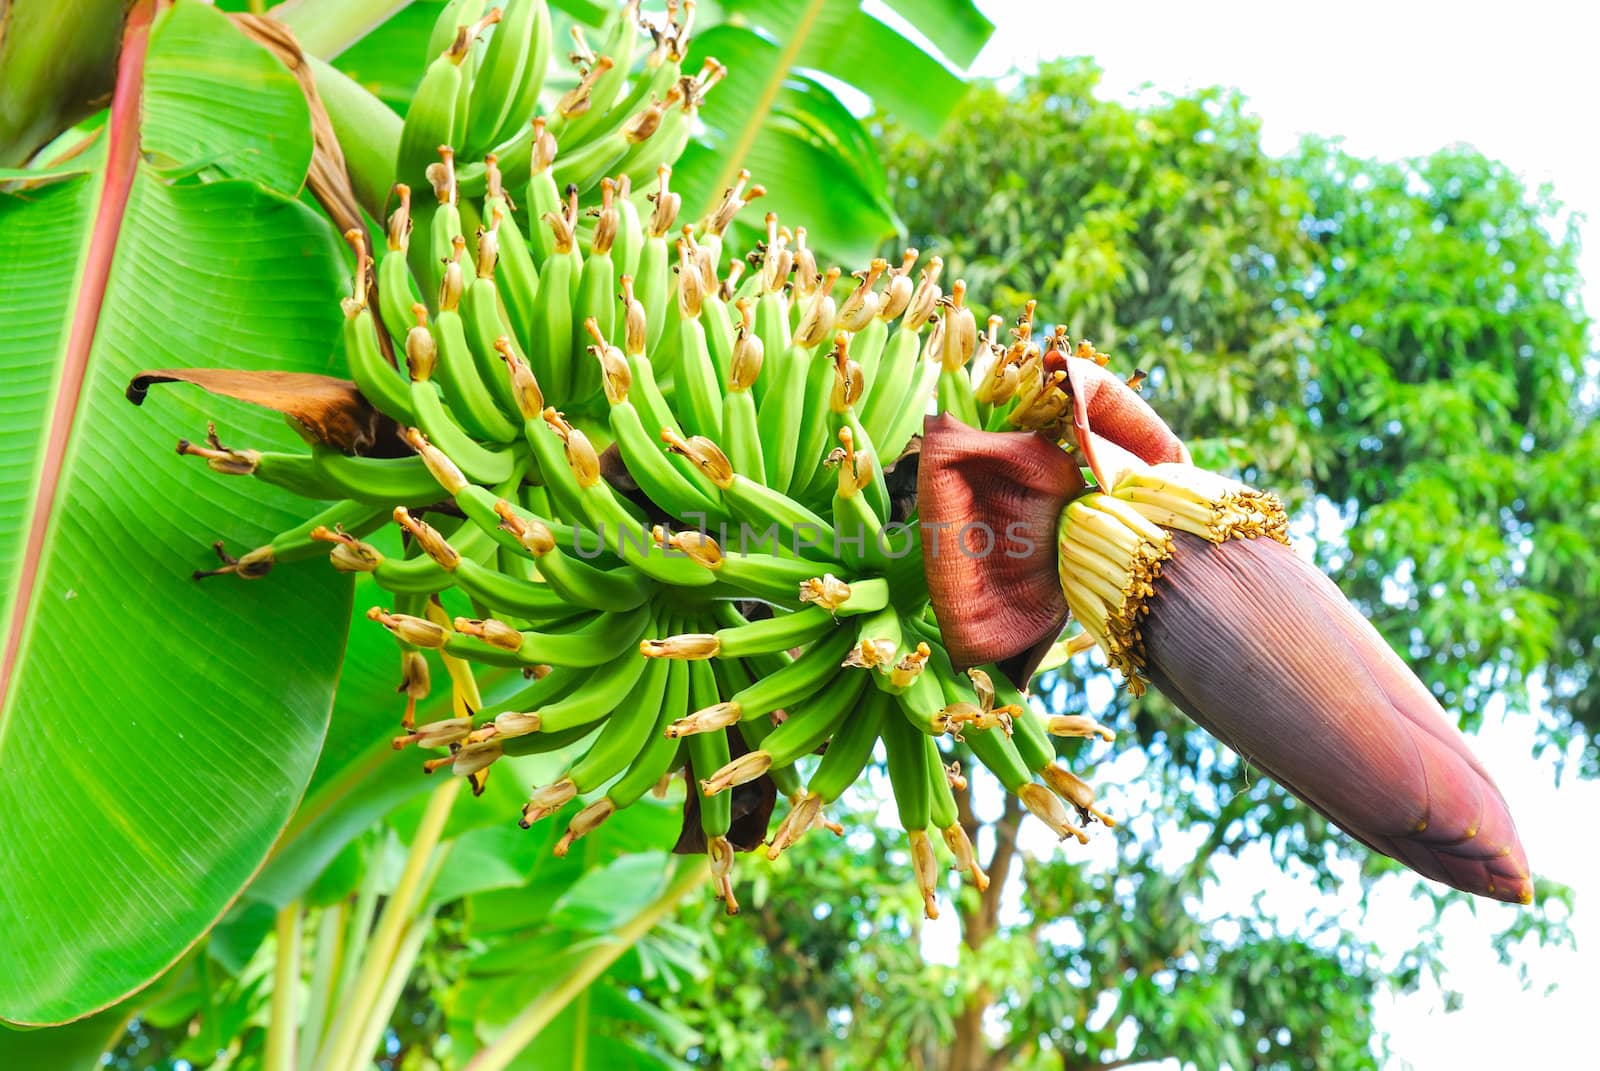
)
(734, 159)
(122, 157)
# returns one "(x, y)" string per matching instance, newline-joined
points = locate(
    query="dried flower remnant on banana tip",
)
(1184, 579)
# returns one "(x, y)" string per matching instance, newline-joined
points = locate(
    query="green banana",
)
(626, 732)
(513, 57)
(781, 415)
(605, 90)
(616, 589)
(544, 196)
(465, 390)
(907, 752)
(483, 326)
(708, 752)
(654, 274)
(490, 587)
(778, 633)
(806, 727)
(648, 464)
(699, 396)
(516, 278)
(431, 117)
(379, 381)
(851, 748)
(397, 290)
(942, 811)
(600, 695)
(550, 334)
(653, 762)
(812, 668)
(594, 639)
(848, 752)
(299, 542)
(483, 464)
(324, 473)
(754, 504)
(597, 297)
(630, 233)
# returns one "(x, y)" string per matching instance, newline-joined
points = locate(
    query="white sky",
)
(1404, 79)
(1400, 78)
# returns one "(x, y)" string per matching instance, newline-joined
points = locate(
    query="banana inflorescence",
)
(662, 475)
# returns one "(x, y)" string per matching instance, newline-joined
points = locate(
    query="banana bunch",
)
(656, 471)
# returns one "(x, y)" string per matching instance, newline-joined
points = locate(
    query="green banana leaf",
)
(832, 181)
(837, 38)
(155, 733)
(57, 61)
(564, 917)
(74, 1047)
(773, 118)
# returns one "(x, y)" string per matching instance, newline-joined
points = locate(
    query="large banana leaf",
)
(774, 119)
(155, 733)
(565, 920)
(75, 1047)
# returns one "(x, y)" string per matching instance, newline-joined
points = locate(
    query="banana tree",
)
(191, 217)
(556, 422)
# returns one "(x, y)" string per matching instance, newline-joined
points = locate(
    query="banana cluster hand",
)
(655, 470)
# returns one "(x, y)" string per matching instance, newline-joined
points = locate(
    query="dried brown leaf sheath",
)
(332, 411)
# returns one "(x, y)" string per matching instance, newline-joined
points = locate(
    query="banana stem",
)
(324, 979)
(523, 1029)
(281, 1047)
(386, 940)
(326, 28)
(357, 933)
(393, 984)
(368, 132)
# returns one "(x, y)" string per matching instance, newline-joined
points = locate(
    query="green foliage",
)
(825, 967)
(1448, 418)
(1165, 234)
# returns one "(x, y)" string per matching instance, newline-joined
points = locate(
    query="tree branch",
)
(999, 867)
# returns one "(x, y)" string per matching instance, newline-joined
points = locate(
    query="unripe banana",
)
(667, 478)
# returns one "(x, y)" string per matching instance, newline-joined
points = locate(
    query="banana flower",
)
(1185, 579)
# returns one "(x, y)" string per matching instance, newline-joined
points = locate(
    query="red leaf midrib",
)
(122, 157)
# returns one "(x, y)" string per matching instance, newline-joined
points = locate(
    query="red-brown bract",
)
(1250, 641)
(1266, 654)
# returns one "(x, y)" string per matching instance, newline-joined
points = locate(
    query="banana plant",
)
(177, 223)
(428, 896)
